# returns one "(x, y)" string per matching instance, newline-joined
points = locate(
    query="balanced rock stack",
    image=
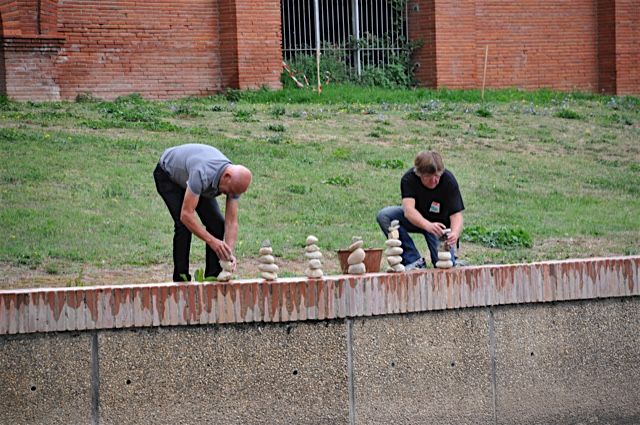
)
(444, 253)
(394, 248)
(356, 258)
(268, 267)
(312, 252)
(227, 269)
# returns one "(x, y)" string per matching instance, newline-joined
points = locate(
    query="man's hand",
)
(222, 250)
(453, 238)
(435, 228)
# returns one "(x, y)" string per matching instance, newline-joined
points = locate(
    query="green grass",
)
(544, 174)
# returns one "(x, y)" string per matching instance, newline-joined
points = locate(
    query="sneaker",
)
(418, 264)
(461, 263)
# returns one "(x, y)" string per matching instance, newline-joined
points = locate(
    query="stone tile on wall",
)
(237, 374)
(423, 368)
(45, 379)
(568, 363)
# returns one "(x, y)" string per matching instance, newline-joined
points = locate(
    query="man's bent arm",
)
(231, 222)
(189, 219)
(414, 216)
(457, 224)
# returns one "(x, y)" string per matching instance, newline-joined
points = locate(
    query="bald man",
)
(189, 178)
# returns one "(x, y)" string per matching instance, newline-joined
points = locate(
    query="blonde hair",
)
(428, 162)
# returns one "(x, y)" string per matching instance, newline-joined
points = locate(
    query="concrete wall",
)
(567, 363)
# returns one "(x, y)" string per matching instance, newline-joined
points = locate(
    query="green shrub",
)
(567, 114)
(497, 238)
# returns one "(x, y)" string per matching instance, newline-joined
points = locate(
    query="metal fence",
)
(360, 33)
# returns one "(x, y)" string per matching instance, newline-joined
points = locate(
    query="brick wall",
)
(587, 45)
(423, 27)
(627, 15)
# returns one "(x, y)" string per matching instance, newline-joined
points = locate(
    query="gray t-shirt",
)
(198, 167)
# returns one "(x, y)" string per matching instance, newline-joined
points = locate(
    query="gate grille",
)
(360, 34)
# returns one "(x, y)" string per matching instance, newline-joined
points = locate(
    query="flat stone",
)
(442, 255)
(312, 248)
(394, 234)
(226, 265)
(315, 264)
(395, 223)
(398, 268)
(267, 259)
(224, 276)
(444, 264)
(314, 273)
(356, 245)
(356, 257)
(269, 276)
(311, 240)
(393, 242)
(313, 255)
(266, 243)
(271, 268)
(394, 259)
(265, 250)
(357, 269)
(390, 252)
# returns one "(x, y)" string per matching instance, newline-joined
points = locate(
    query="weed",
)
(343, 154)
(502, 238)
(567, 114)
(426, 116)
(392, 164)
(198, 276)
(339, 181)
(297, 189)
(243, 115)
(483, 112)
(277, 111)
(276, 127)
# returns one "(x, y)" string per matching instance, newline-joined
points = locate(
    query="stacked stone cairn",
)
(268, 267)
(356, 258)
(444, 252)
(313, 254)
(226, 273)
(394, 248)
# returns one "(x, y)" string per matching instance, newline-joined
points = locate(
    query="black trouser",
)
(210, 215)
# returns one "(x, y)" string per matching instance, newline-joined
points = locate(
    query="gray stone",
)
(313, 255)
(398, 268)
(312, 248)
(45, 379)
(224, 276)
(226, 265)
(357, 269)
(444, 264)
(269, 275)
(267, 259)
(265, 251)
(315, 264)
(394, 223)
(394, 234)
(271, 268)
(355, 245)
(356, 256)
(444, 255)
(311, 240)
(394, 259)
(393, 251)
(423, 369)
(393, 242)
(314, 273)
(568, 363)
(240, 374)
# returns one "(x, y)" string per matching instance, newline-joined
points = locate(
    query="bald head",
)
(235, 180)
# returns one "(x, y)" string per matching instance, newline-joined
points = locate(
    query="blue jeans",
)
(410, 252)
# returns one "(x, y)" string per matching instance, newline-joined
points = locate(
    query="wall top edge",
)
(332, 278)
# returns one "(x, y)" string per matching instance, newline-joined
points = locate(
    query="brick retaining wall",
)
(300, 299)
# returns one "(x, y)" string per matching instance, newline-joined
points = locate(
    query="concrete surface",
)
(240, 374)
(423, 368)
(569, 363)
(45, 379)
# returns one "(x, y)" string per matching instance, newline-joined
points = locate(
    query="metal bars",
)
(361, 34)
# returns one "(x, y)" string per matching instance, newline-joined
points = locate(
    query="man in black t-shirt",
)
(431, 203)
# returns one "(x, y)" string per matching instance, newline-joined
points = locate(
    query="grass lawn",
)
(544, 175)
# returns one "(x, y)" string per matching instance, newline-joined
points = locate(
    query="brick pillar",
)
(456, 50)
(627, 33)
(250, 43)
(422, 28)
(606, 29)
(30, 45)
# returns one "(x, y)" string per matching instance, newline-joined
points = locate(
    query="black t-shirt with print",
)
(437, 204)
